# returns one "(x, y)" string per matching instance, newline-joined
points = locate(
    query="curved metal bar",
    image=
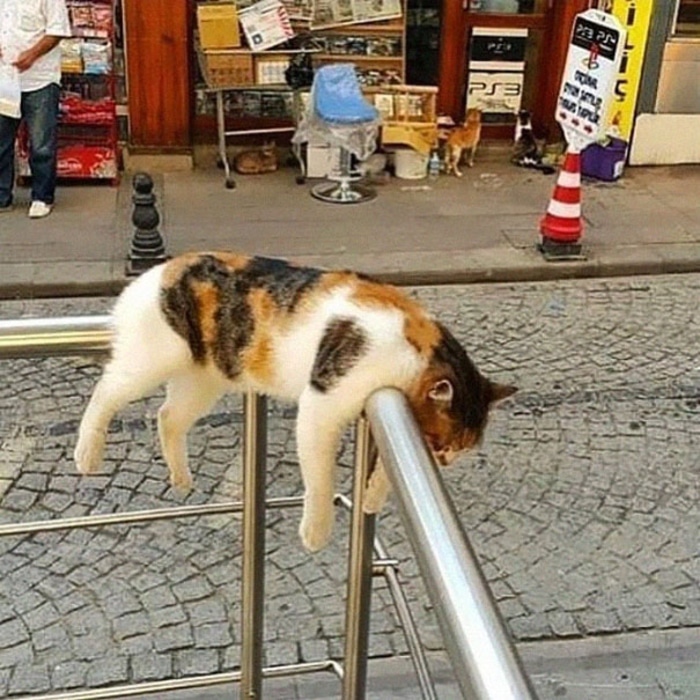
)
(51, 337)
(484, 658)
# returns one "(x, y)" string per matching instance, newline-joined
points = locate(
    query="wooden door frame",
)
(157, 37)
(556, 25)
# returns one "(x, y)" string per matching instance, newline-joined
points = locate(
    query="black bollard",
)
(147, 247)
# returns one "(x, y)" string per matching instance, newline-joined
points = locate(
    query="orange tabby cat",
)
(463, 137)
(209, 323)
(257, 161)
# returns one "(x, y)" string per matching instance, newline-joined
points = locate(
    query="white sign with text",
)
(588, 84)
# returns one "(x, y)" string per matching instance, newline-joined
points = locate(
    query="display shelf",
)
(352, 58)
(87, 129)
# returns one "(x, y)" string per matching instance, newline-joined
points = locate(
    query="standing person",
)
(30, 31)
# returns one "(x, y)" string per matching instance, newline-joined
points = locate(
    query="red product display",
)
(87, 135)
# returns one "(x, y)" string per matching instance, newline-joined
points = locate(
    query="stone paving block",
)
(151, 667)
(108, 670)
(69, 674)
(32, 678)
(197, 662)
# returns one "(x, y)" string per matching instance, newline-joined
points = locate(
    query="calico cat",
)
(463, 137)
(257, 160)
(209, 323)
(526, 150)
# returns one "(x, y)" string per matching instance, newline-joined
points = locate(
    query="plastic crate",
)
(604, 162)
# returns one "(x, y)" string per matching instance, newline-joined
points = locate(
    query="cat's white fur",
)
(147, 353)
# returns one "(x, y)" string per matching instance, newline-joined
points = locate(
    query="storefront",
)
(667, 126)
(501, 55)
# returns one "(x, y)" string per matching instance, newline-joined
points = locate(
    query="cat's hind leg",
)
(472, 153)
(456, 157)
(146, 352)
(189, 396)
(118, 386)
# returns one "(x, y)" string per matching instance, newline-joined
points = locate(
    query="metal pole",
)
(486, 663)
(253, 584)
(51, 337)
(139, 516)
(357, 606)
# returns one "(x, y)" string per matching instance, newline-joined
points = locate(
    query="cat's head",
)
(473, 116)
(268, 148)
(524, 117)
(452, 399)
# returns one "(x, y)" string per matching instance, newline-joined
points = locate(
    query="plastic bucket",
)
(409, 164)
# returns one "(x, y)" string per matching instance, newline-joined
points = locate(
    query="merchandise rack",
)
(87, 130)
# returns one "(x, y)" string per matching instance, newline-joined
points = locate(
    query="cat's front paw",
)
(88, 452)
(315, 532)
(181, 481)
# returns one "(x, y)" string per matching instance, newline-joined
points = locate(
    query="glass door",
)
(490, 59)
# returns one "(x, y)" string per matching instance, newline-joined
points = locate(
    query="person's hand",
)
(25, 60)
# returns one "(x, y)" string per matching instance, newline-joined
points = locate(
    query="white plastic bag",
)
(10, 93)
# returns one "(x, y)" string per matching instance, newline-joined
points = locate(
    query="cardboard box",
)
(218, 25)
(223, 68)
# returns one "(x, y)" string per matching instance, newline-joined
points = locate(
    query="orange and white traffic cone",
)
(561, 226)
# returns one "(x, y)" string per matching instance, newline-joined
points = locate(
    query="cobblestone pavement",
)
(582, 503)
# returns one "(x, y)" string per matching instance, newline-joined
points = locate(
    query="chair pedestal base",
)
(342, 193)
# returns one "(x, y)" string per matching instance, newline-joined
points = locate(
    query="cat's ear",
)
(442, 391)
(500, 392)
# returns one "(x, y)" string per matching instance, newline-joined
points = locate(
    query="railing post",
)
(485, 660)
(357, 607)
(253, 594)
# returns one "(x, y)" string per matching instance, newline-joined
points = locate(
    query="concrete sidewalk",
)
(483, 227)
(636, 666)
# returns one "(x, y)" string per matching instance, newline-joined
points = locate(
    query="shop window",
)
(512, 7)
(422, 41)
(688, 18)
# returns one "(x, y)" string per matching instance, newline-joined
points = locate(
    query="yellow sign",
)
(635, 16)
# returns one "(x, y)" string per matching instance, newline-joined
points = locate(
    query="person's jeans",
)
(40, 113)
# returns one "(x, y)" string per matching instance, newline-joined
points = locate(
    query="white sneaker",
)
(38, 210)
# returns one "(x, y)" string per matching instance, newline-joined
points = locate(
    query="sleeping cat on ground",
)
(465, 137)
(256, 161)
(209, 323)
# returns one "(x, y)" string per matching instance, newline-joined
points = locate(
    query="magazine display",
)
(266, 24)
(334, 13)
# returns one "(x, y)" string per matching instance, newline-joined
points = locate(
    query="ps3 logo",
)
(503, 89)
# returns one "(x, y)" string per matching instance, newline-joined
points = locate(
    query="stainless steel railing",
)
(485, 661)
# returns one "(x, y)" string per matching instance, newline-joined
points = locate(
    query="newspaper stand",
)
(221, 81)
(587, 87)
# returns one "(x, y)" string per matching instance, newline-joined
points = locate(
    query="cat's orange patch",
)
(208, 301)
(419, 329)
(232, 260)
(174, 269)
(258, 357)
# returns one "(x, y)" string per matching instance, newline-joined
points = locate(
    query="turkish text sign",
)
(588, 84)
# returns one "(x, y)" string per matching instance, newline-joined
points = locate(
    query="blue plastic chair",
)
(338, 102)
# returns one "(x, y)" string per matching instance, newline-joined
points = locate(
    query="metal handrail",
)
(484, 658)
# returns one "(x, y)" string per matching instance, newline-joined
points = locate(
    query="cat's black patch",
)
(471, 395)
(342, 345)
(235, 321)
(179, 305)
(286, 283)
